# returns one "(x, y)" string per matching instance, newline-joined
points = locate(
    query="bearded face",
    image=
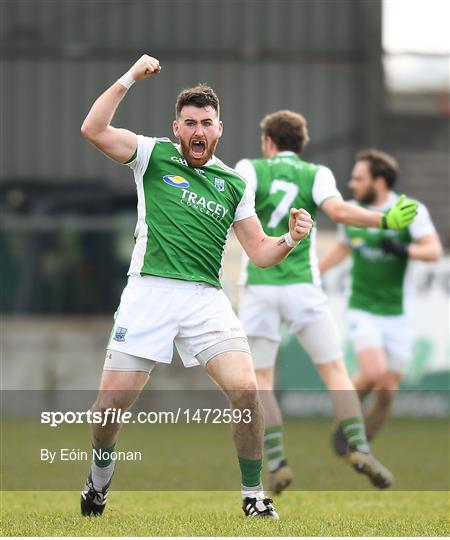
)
(362, 183)
(198, 129)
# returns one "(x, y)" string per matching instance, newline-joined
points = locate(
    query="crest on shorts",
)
(119, 334)
(219, 184)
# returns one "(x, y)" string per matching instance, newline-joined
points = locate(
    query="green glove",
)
(400, 215)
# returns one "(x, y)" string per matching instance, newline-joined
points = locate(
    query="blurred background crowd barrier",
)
(68, 214)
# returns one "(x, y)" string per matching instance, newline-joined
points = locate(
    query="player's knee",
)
(264, 378)
(109, 400)
(244, 393)
(373, 376)
(385, 388)
(384, 397)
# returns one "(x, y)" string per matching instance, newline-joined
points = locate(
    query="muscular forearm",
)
(118, 144)
(427, 252)
(350, 214)
(265, 250)
(398, 217)
(103, 110)
(270, 251)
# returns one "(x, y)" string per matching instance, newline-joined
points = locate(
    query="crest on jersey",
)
(177, 181)
(219, 184)
(119, 334)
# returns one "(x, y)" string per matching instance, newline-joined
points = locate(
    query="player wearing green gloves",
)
(291, 292)
(380, 299)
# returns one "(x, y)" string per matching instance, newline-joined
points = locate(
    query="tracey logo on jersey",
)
(210, 208)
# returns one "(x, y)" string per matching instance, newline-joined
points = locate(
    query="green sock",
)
(355, 433)
(250, 471)
(102, 456)
(273, 446)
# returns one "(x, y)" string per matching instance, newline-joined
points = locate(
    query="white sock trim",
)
(256, 492)
(101, 475)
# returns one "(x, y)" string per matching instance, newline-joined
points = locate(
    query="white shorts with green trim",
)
(392, 333)
(154, 313)
(303, 307)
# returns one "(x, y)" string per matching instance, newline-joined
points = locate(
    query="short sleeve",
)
(422, 224)
(245, 168)
(246, 207)
(324, 186)
(139, 162)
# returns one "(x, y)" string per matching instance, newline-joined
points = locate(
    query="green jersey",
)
(381, 283)
(184, 214)
(281, 183)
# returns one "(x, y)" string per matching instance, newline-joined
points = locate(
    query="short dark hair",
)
(380, 164)
(200, 96)
(287, 129)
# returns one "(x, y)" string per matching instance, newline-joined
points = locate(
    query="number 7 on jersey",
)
(290, 192)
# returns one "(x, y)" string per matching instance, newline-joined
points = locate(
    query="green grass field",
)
(200, 460)
(218, 514)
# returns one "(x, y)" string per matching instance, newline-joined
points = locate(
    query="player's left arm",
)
(265, 251)
(336, 254)
(427, 248)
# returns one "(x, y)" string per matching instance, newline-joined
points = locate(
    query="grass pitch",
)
(199, 459)
(219, 514)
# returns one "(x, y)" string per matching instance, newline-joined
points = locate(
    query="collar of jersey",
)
(389, 203)
(286, 153)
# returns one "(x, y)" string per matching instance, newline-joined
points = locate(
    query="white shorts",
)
(303, 307)
(154, 313)
(393, 333)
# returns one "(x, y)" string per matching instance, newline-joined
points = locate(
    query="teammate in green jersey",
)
(290, 292)
(380, 299)
(188, 200)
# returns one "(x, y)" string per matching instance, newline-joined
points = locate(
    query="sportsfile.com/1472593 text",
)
(179, 415)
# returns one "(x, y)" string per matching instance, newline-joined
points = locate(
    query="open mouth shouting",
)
(198, 148)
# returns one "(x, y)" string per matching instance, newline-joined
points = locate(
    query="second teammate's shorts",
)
(303, 307)
(154, 313)
(393, 333)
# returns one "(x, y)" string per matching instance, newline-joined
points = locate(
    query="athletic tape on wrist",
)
(127, 80)
(290, 241)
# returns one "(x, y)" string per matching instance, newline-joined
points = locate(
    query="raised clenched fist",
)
(144, 67)
(300, 224)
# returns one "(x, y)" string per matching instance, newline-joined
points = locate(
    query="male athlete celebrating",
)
(290, 292)
(188, 200)
(379, 304)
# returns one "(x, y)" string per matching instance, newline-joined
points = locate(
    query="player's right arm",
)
(399, 216)
(334, 256)
(118, 144)
(265, 251)
(326, 195)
